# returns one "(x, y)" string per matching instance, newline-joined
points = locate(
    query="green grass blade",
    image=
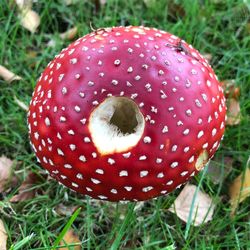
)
(123, 228)
(189, 222)
(21, 243)
(66, 228)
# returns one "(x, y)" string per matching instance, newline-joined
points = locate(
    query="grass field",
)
(220, 28)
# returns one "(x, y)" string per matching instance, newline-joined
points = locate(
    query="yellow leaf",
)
(70, 238)
(203, 207)
(239, 189)
(3, 236)
(7, 75)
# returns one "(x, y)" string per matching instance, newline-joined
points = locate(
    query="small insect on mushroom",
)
(126, 113)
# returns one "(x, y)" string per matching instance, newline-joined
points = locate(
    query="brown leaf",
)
(203, 206)
(26, 190)
(233, 112)
(69, 34)
(5, 171)
(7, 75)
(219, 166)
(3, 236)
(29, 19)
(239, 189)
(65, 210)
(70, 238)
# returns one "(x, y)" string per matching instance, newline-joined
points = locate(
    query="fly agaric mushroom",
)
(126, 113)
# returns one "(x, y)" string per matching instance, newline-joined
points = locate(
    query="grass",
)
(215, 27)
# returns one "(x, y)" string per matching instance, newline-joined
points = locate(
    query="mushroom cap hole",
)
(116, 125)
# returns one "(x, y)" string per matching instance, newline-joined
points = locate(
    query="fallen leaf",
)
(69, 34)
(230, 89)
(70, 238)
(219, 167)
(5, 172)
(29, 19)
(21, 104)
(239, 189)
(65, 210)
(3, 236)
(26, 190)
(233, 112)
(7, 75)
(203, 207)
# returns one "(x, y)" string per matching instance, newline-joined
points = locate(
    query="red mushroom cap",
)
(126, 113)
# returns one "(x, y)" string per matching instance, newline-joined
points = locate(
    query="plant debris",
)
(21, 104)
(230, 89)
(27, 190)
(5, 171)
(7, 75)
(69, 34)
